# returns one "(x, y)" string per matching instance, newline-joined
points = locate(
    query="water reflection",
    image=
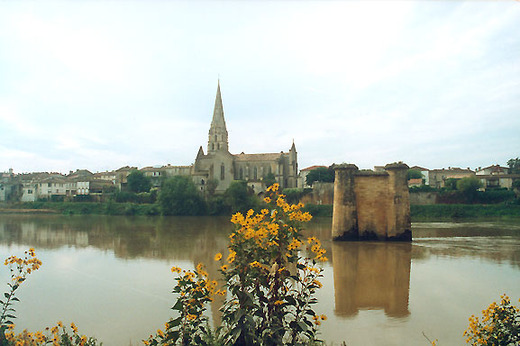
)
(183, 238)
(120, 265)
(369, 275)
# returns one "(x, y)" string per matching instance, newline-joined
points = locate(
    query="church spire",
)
(218, 135)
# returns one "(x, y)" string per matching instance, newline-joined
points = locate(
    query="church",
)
(219, 165)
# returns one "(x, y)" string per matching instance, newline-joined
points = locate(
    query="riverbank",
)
(436, 212)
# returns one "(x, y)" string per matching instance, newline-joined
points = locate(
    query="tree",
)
(469, 187)
(414, 174)
(211, 186)
(239, 197)
(179, 196)
(269, 179)
(138, 182)
(514, 166)
(322, 174)
(451, 183)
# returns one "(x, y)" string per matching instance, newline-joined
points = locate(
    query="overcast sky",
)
(100, 85)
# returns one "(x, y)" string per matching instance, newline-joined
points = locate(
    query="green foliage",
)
(469, 187)
(442, 212)
(211, 186)
(500, 325)
(514, 166)
(319, 210)
(422, 188)
(516, 184)
(269, 179)
(321, 174)
(450, 184)
(270, 285)
(414, 174)
(240, 197)
(137, 182)
(20, 268)
(179, 196)
(217, 206)
(82, 198)
(294, 195)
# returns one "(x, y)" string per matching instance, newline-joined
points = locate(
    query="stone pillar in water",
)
(399, 222)
(344, 214)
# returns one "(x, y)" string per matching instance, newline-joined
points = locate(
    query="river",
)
(111, 276)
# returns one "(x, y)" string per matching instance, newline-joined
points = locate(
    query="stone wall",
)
(322, 193)
(371, 205)
(423, 198)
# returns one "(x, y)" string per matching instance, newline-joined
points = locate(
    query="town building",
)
(222, 167)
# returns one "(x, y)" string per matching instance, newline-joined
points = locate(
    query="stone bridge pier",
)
(371, 205)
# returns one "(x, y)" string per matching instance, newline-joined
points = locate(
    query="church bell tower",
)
(218, 135)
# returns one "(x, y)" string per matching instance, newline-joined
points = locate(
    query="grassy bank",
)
(449, 212)
(436, 212)
(85, 208)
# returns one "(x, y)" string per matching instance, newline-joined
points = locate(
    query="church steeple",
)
(218, 135)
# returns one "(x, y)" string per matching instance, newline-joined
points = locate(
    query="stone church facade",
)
(220, 165)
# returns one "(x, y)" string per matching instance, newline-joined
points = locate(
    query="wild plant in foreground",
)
(57, 335)
(270, 286)
(500, 325)
(19, 269)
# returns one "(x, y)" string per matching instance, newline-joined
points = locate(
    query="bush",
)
(20, 268)
(240, 197)
(270, 287)
(179, 196)
(500, 325)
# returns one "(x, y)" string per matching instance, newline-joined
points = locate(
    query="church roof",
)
(258, 157)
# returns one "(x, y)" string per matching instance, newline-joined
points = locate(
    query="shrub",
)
(179, 196)
(269, 286)
(20, 268)
(500, 325)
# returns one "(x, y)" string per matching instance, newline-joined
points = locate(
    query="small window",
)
(202, 182)
(222, 172)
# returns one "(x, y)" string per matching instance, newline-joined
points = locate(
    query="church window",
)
(222, 172)
(215, 138)
(241, 173)
(255, 173)
(202, 182)
(212, 146)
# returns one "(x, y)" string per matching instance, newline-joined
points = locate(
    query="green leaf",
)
(175, 322)
(178, 305)
(235, 333)
(174, 336)
(6, 295)
(15, 299)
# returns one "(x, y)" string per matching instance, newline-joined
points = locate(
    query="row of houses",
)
(492, 177)
(30, 187)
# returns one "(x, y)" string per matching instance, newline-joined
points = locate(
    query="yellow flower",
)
(278, 302)
(218, 257)
(267, 200)
(74, 328)
(324, 317)
(224, 267)
(231, 256)
(176, 270)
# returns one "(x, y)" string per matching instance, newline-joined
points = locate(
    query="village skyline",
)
(434, 84)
